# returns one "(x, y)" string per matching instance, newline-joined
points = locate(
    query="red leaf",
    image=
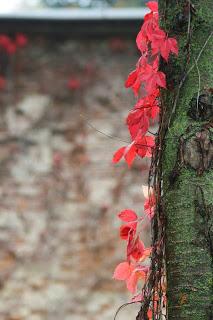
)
(134, 116)
(149, 206)
(122, 271)
(161, 79)
(127, 215)
(146, 254)
(167, 46)
(138, 122)
(128, 230)
(141, 42)
(132, 282)
(21, 40)
(139, 129)
(154, 112)
(152, 5)
(165, 50)
(173, 45)
(150, 143)
(136, 86)
(130, 154)
(74, 84)
(4, 40)
(153, 78)
(144, 146)
(148, 16)
(136, 250)
(131, 79)
(158, 34)
(118, 155)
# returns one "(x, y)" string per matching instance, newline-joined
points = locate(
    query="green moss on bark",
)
(189, 261)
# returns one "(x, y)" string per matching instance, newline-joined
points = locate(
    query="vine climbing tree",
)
(172, 82)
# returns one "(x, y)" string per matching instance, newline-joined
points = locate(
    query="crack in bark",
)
(195, 151)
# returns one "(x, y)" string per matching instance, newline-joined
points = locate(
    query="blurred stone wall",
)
(59, 191)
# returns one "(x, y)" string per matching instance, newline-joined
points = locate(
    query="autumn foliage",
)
(9, 46)
(145, 81)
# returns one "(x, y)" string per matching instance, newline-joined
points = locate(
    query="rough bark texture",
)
(187, 159)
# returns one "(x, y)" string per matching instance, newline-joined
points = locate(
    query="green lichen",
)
(189, 262)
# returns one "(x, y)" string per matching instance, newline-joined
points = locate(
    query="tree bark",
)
(187, 159)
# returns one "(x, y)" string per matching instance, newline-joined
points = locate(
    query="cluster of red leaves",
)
(10, 46)
(132, 269)
(145, 81)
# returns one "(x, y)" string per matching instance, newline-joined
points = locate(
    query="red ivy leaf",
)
(127, 215)
(149, 205)
(130, 154)
(141, 42)
(135, 249)
(144, 146)
(122, 271)
(132, 77)
(118, 155)
(21, 40)
(74, 84)
(168, 45)
(128, 230)
(132, 282)
(145, 81)
(173, 45)
(152, 5)
(161, 79)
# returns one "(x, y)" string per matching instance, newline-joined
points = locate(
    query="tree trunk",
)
(187, 158)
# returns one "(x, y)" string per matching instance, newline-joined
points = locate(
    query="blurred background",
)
(36, 4)
(63, 108)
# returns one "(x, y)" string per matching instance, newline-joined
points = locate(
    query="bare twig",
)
(186, 75)
(123, 306)
(101, 132)
(189, 24)
(115, 137)
(199, 84)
